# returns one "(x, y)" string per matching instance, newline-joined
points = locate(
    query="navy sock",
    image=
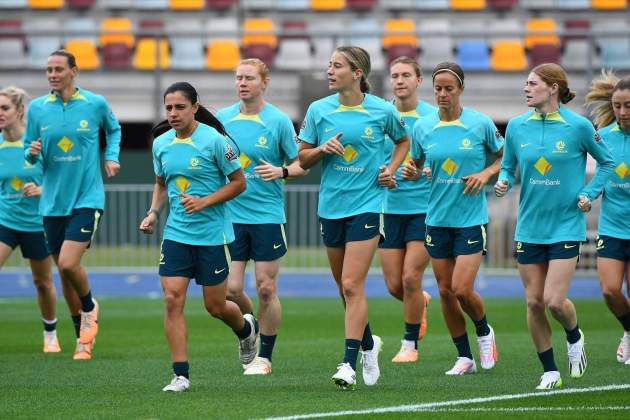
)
(573, 336)
(625, 321)
(266, 346)
(181, 369)
(245, 332)
(411, 332)
(547, 360)
(463, 346)
(76, 321)
(50, 325)
(87, 304)
(482, 327)
(367, 342)
(352, 352)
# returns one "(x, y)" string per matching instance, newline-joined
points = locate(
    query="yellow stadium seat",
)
(468, 4)
(541, 31)
(222, 55)
(116, 30)
(328, 5)
(400, 31)
(45, 4)
(84, 51)
(609, 4)
(508, 55)
(145, 57)
(187, 4)
(259, 31)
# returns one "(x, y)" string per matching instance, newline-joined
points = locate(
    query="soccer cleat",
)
(406, 355)
(89, 324)
(423, 325)
(260, 366)
(369, 360)
(83, 351)
(462, 366)
(345, 377)
(627, 362)
(51, 343)
(550, 380)
(623, 351)
(248, 346)
(178, 384)
(487, 350)
(577, 357)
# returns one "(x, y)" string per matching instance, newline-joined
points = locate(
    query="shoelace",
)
(574, 352)
(85, 321)
(486, 345)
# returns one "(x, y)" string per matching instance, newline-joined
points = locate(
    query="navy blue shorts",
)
(360, 227)
(447, 242)
(402, 228)
(32, 244)
(528, 253)
(80, 226)
(208, 265)
(262, 242)
(615, 248)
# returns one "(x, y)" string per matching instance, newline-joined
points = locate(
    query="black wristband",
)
(285, 172)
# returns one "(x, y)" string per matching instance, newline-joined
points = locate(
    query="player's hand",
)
(584, 203)
(192, 204)
(475, 182)
(111, 168)
(148, 223)
(500, 188)
(31, 189)
(426, 171)
(386, 178)
(35, 148)
(410, 171)
(333, 146)
(267, 171)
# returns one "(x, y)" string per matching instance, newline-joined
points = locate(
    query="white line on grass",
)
(431, 405)
(525, 409)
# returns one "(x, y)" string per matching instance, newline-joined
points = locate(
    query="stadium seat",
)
(80, 28)
(502, 29)
(258, 31)
(292, 4)
(468, 4)
(327, 5)
(116, 55)
(42, 39)
(473, 55)
(12, 51)
(398, 4)
(145, 57)
(150, 4)
(432, 4)
(609, 4)
(116, 30)
(573, 4)
(45, 4)
(502, 4)
(186, 4)
(360, 5)
(578, 55)
(398, 50)
(150, 27)
(222, 28)
(615, 53)
(220, 4)
(117, 4)
(364, 33)
(85, 52)
(544, 53)
(222, 55)
(508, 55)
(294, 29)
(400, 31)
(294, 54)
(436, 45)
(257, 4)
(538, 4)
(80, 4)
(11, 28)
(265, 52)
(541, 31)
(187, 44)
(13, 4)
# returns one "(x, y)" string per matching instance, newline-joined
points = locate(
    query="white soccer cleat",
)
(345, 377)
(550, 380)
(623, 351)
(248, 346)
(260, 366)
(462, 366)
(487, 350)
(577, 357)
(369, 360)
(178, 384)
(51, 343)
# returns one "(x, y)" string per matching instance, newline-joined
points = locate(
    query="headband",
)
(461, 82)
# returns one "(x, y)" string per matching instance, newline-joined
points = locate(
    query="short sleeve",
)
(394, 124)
(308, 130)
(493, 139)
(226, 157)
(416, 142)
(288, 139)
(157, 161)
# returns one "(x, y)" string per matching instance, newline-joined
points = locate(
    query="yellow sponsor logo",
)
(182, 184)
(560, 147)
(245, 160)
(542, 166)
(350, 154)
(622, 170)
(449, 166)
(466, 144)
(368, 133)
(65, 144)
(16, 183)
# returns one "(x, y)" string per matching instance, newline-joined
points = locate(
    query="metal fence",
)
(120, 246)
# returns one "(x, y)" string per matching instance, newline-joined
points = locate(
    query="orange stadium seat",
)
(609, 4)
(145, 57)
(45, 4)
(186, 4)
(468, 4)
(258, 31)
(116, 30)
(541, 31)
(222, 55)
(508, 55)
(85, 52)
(400, 31)
(328, 5)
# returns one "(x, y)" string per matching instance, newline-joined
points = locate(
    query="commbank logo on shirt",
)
(245, 160)
(622, 170)
(16, 183)
(182, 184)
(65, 144)
(350, 153)
(449, 166)
(542, 166)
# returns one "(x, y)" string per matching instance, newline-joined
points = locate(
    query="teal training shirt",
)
(550, 151)
(197, 166)
(454, 149)
(409, 197)
(70, 149)
(349, 184)
(268, 135)
(614, 216)
(16, 211)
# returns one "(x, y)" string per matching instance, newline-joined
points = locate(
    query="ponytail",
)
(365, 85)
(599, 98)
(566, 95)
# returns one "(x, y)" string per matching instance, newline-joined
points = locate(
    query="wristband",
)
(156, 211)
(285, 172)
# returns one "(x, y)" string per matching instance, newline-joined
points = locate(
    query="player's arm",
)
(112, 137)
(474, 183)
(234, 187)
(157, 201)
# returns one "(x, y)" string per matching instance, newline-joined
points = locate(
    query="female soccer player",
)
(454, 141)
(403, 255)
(549, 144)
(266, 140)
(347, 131)
(20, 224)
(191, 159)
(611, 98)
(63, 131)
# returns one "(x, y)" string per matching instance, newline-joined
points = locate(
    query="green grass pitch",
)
(131, 363)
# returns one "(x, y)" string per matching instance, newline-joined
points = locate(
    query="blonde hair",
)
(18, 98)
(600, 96)
(263, 70)
(403, 59)
(551, 73)
(359, 59)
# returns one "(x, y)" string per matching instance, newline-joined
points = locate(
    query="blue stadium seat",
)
(398, 4)
(573, 4)
(615, 53)
(473, 55)
(187, 50)
(13, 4)
(257, 4)
(365, 34)
(432, 4)
(117, 4)
(150, 4)
(538, 4)
(293, 4)
(41, 41)
(80, 28)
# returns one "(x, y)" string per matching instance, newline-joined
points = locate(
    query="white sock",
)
(409, 345)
